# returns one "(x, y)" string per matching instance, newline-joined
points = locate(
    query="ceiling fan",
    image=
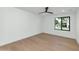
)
(46, 11)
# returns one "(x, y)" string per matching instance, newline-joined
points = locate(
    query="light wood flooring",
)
(42, 42)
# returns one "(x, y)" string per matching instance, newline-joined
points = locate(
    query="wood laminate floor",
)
(42, 42)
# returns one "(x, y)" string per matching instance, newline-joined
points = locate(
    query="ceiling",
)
(55, 10)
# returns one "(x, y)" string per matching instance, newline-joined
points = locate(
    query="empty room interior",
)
(39, 29)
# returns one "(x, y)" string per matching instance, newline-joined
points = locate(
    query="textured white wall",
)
(16, 24)
(49, 26)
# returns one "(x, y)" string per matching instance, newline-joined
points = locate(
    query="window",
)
(62, 23)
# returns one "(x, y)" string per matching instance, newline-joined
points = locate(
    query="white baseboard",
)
(8, 42)
(60, 35)
(11, 41)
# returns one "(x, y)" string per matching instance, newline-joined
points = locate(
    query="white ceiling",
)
(55, 10)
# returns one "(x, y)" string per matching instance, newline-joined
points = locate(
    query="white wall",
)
(49, 25)
(77, 24)
(16, 24)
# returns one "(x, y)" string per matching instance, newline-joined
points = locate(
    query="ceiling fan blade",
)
(46, 11)
(50, 12)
